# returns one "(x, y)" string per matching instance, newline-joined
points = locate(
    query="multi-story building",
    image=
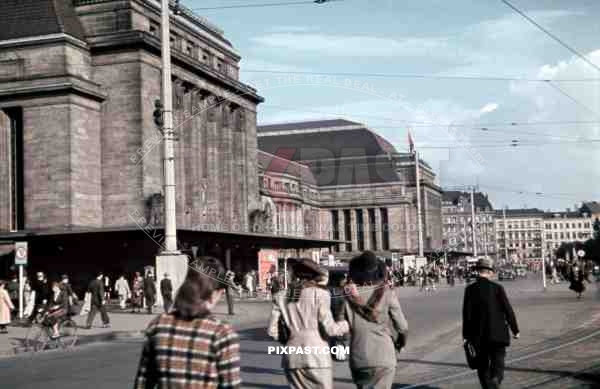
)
(566, 227)
(519, 234)
(457, 227)
(592, 208)
(351, 183)
(81, 164)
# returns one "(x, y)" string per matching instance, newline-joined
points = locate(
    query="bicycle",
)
(39, 334)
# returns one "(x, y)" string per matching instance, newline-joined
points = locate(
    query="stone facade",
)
(92, 154)
(364, 193)
(458, 224)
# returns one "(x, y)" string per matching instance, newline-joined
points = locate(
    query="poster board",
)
(266, 259)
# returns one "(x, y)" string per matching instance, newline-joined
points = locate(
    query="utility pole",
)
(505, 235)
(170, 261)
(168, 134)
(485, 238)
(419, 218)
(473, 221)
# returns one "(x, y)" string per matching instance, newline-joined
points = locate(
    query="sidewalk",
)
(125, 325)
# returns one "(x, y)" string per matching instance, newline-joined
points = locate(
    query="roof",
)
(591, 207)
(311, 145)
(338, 151)
(453, 196)
(557, 215)
(272, 164)
(311, 124)
(523, 212)
(29, 18)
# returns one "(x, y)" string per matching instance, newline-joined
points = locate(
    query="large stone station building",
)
(81, 156)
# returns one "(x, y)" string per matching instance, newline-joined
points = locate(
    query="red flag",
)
(411, 144)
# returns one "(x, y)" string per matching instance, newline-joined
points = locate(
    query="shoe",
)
(105, 325)
(87, 327)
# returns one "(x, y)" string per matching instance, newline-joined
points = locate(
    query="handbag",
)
(283, 332)
(471, 354)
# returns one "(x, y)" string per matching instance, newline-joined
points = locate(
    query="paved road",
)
(560, 348)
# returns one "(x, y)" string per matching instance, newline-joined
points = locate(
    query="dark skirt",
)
(577, 286)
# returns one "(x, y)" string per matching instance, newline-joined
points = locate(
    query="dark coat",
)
(149, 288)
(166, 288)
(96, 288)
(487, 314)
(42, 292)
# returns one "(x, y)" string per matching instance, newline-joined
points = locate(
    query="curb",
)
(83, 340)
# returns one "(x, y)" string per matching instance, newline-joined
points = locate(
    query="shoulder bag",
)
(471, 354)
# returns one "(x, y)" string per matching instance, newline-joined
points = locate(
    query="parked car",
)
(521, 271)
(507, 274)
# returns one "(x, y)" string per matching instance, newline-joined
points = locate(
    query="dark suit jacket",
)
(487, 314)
(96, 288)
(149, 288)
(166, 288)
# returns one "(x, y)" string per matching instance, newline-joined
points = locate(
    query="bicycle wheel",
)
(37, 338)
(68, 333)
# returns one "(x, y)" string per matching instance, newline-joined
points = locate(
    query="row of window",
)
(568, 235)
(362, 217)
(462, 219)
(522, 224)
(192, 50)
(556, 226)
(287, 187)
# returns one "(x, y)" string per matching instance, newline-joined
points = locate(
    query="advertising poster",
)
(266, 260)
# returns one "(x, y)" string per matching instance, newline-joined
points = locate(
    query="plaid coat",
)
(196, 354)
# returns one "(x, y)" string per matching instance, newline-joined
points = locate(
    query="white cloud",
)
(490, 107)
(353, 45)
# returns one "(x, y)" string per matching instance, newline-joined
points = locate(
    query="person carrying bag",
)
(377, 323)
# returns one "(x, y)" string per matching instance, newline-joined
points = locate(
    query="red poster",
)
(267, 259)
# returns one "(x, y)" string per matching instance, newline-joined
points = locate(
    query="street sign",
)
(21, 253)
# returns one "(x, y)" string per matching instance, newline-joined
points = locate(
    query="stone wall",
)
(5, 172)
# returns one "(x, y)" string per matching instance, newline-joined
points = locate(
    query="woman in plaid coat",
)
(189, 348)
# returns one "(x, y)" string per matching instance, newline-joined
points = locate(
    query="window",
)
(372, 229)
(385, 244)
(555, 226)
(579, 225)
(548, 236)
(347, 230)
(190, 49)
(154, 29)
(335, 228)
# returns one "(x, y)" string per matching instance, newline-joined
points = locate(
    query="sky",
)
(462, 127)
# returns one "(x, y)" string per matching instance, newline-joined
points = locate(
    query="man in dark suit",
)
(149, 292)
(96, 289)
(166, 290)
(486, 312)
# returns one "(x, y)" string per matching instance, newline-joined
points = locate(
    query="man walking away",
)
(13, 291)
(149, 292)
(486, 312)
(122, 289)
(97, 303)
(166, 290)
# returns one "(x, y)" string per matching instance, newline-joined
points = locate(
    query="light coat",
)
(5, 307)
(122, 287)
(372, 343)
(303, 318)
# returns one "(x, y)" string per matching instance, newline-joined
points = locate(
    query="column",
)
(353, 229)
(379, 229)
(341, 229)
(367, 229)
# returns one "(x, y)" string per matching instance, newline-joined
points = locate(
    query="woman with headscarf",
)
(377, 324)
(577, 280)
(189, 347)
(305, 310)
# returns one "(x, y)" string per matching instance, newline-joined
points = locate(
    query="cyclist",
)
(57, 308)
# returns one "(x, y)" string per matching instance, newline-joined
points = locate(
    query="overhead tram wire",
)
(551, 35)
(481, 127)
(421, 76)
(264, 5)
(574, 100)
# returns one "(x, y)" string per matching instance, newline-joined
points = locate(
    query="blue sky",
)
(439, 37)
